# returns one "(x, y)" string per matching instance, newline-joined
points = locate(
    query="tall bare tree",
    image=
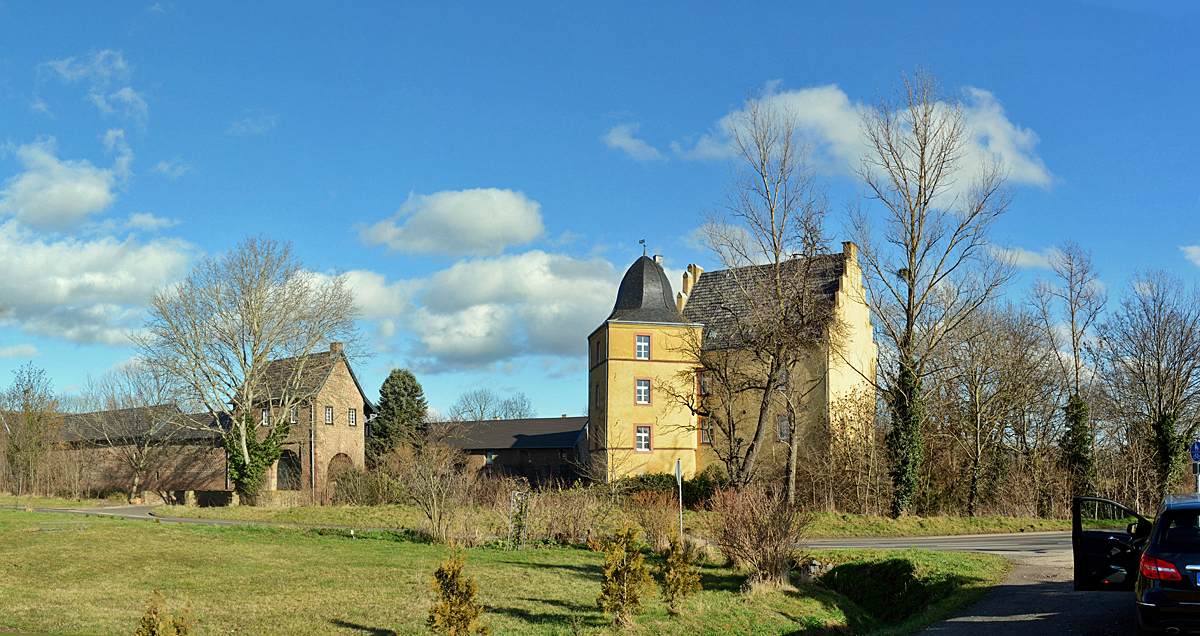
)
(935, 239)
(1075, 299)
(1151, 367)
(768, 233)
(135, 416)
(29, 410)
(219, 329)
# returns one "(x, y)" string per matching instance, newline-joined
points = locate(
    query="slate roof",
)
(128, 423)
(317, 369)
(538, 432)
(720, 295)
(645, 295)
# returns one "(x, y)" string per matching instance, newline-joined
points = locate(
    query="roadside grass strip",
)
(287, 580)
(823, 525)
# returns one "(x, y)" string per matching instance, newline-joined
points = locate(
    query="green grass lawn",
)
(278, 580)
(8, 500)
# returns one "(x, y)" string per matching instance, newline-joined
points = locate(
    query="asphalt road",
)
(1035, 600)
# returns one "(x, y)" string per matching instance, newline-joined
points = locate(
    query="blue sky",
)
(138, 137)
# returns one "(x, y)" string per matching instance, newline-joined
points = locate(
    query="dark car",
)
(1117, 549)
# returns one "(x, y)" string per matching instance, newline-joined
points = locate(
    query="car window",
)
(1179, 530)
(1105, 515)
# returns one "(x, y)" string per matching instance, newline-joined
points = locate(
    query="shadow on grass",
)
(585, 571)
(719, 579)
(581, 616)
(371, 631)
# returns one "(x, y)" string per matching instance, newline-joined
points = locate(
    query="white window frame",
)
(295, 413)
(352, 416)
(641, 391)
(706, 430)
(266, 418)
(644, 439)
(489, 458)
(329, 415)
(642, 352)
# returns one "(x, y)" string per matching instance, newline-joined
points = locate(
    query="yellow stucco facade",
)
(642, 364)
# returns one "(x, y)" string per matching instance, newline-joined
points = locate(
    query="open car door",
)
(1106, 540)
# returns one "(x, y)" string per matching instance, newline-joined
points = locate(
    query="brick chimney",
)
(335, 348)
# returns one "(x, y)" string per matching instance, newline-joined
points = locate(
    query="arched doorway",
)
(287, 472)
(337, 466)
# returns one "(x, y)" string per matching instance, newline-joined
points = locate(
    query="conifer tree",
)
(676, 576)
(402, 409)
(457, 611)
(626, 578)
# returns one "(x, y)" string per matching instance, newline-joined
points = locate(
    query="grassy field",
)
(824, 525)
(278, 580)
(8, 500)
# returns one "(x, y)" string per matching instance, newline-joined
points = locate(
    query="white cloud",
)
(482, 312)
(84, 291)
(102, 71)
(20, 351)
(156, 8)
(53, 194)
(621, 138)
(1022, 257)
(257, 123)
(148, 222)
(478, 222)
(173, 168)
(1192, 252)
(831, 122)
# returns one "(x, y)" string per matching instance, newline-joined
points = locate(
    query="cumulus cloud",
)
(148, 222)
(84, 291)
(104, 72)
(621, 138)
(256, 123)
(481, 312)
(173, 168)
(20, 351)
(479, 222)
(830, 120)
(1192, 252)
(53, 194)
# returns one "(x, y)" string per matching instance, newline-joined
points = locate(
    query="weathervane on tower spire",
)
(643, 244)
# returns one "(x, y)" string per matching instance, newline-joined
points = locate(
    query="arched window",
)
(287, 473)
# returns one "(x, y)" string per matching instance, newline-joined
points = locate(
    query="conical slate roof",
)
(645, 295)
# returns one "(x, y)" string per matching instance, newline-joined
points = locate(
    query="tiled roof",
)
(538, 432)
(720, 296)
(645, 295)
(316, 370)
(131, 423)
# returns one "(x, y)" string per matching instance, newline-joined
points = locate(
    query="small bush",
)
(758, 529)
(456, 612)
(358, 487)
(676, 576)
(569, 514)
(626, 578)
(696, 491)
(158, 622)
(658, 515)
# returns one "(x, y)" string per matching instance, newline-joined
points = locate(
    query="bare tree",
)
(1151, 368)
(31, 418)
(135, 416)
(219, 329)
(1076, 301)
(434, 474)
(935, 239)
(768, 233)
(485, 404)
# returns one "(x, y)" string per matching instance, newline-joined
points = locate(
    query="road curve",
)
(1035, 600)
